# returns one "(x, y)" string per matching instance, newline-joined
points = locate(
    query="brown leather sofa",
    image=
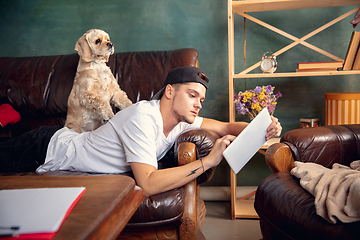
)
(38, 88)
(286, 210)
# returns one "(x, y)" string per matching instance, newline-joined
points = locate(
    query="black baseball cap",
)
(183, 75)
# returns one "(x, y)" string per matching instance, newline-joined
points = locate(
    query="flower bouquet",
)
(251, 102)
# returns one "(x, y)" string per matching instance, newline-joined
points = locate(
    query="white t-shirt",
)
(134, 134)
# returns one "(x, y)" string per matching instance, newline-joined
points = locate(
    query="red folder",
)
(45, 235)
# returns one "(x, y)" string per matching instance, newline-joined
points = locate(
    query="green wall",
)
(49, 27)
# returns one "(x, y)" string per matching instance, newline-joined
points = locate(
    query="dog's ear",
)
(83, 48)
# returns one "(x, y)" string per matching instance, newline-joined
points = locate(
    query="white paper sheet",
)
(248, 142)
(36, 210)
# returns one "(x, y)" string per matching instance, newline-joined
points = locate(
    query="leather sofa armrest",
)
(324, 145)
(187, 154)
(203, 141)
(279, 158)
(194, 208)
(190, 146)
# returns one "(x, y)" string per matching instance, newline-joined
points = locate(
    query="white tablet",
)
(248, 142)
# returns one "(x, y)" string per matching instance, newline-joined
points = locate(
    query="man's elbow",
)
(148, 190)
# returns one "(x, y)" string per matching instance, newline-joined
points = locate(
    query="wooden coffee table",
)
(101, 213)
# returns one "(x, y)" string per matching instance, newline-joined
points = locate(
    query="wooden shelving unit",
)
(245, 7)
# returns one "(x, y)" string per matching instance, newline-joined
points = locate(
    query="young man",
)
(140, 135)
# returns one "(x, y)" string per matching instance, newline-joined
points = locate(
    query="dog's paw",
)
(108, 115)
(124, 104)
(127, 103)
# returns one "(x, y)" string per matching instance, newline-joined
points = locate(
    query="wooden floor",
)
(218, 224)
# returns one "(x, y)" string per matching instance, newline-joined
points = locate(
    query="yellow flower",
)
(246, 95)
(261, 96)
(256, 106)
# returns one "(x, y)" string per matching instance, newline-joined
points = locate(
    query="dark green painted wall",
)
(49, 27)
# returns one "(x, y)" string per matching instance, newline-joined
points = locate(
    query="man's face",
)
(187, 101)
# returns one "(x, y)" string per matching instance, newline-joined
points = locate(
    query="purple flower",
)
(268, 89)
(235, 96)
(258, 89)
(241, 109)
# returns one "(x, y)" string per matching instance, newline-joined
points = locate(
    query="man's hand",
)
(215, 156)
(356, 19)
(274, 130)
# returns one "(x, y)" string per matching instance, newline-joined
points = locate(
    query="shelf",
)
(238, 209)
(275, 5)
(296, 74)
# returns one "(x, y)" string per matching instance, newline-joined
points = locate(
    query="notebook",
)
(38, 212)
(248, 142)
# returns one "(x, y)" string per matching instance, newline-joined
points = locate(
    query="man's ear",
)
(83, 48)
(169, 91)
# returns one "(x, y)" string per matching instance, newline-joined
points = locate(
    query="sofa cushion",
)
(159, 210)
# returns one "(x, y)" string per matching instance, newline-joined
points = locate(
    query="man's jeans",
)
(27, 152)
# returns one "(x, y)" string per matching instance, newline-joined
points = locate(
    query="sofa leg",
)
(194, 215)
(200, 218)
(188, 227)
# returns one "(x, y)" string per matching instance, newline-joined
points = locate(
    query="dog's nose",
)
(109, 45)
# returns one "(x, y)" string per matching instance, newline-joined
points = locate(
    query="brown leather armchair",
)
(286, 210)
(38, 88)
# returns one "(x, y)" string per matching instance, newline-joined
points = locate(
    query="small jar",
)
(309, 122)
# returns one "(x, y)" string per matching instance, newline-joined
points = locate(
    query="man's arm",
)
(225, 128)
(154, 181)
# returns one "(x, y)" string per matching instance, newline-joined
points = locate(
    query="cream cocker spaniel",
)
(94, 86)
